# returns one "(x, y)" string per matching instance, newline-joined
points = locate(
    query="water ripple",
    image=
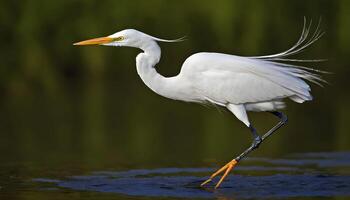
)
(286, 180)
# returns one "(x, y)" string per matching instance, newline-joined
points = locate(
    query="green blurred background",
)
(63, 105)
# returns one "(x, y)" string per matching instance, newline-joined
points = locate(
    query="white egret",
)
(238, 83)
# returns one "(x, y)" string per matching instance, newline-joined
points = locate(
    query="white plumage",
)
(225, 79)
(257, 83)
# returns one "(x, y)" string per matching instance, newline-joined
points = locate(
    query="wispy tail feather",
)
(299, 46)
(306, 73)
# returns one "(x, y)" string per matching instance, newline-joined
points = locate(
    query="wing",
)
(223, 79)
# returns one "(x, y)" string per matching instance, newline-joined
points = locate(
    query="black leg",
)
(283, 120)
(256, 138)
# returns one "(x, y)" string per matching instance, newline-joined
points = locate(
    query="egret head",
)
(127, 37)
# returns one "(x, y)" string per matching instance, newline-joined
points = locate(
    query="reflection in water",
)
(285, 178)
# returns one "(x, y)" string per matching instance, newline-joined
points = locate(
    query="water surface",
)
(309, 175)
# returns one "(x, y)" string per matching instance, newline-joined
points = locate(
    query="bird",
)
(240, 84)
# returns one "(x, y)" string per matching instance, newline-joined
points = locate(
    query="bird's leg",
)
(230, 165)
(283, 120)
(256, 138)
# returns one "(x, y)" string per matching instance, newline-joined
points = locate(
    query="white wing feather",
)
(223, 78)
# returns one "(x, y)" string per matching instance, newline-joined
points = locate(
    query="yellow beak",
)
(95, 41)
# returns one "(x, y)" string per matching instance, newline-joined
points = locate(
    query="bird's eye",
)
(120, 38)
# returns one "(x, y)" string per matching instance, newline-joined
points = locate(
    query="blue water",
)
(301, 175)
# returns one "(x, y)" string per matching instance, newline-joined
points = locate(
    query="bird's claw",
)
(227, 168)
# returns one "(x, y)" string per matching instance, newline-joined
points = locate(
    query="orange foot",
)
(227, 168)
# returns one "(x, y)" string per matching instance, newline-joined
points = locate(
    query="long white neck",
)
(145, 63)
